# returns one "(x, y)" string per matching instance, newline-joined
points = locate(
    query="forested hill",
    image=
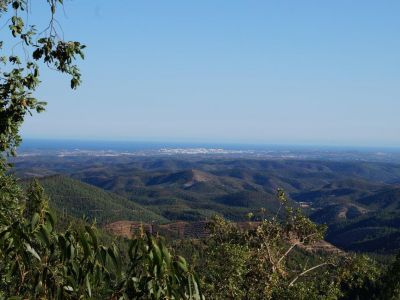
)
(78, 199)
(360, 201)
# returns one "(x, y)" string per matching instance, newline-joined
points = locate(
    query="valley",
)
(358, 200)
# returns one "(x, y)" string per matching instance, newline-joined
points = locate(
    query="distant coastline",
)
(116, 145)
(74, 148)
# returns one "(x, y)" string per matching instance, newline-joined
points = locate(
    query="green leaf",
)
(85, 245)
(35, 219)
(88, 286)
(68, 288)
(44, 235)
(181, 262)
(93, 236)
(50, 218)
(32, 251)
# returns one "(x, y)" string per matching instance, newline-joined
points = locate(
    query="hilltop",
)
(358, 200)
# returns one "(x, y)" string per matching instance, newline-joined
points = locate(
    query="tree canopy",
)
(37, 261)
(20, 74)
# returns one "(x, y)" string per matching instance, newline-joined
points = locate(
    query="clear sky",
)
(297, 72)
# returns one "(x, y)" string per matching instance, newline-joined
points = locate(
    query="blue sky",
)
(290, 72)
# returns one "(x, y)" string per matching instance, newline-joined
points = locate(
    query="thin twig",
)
(309, 270)
(294, 245)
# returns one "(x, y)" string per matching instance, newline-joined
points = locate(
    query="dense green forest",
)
(272, 258)
(358, 200)
(80, 200)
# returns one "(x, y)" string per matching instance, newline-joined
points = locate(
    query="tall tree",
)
(19, 74)
(36, 261)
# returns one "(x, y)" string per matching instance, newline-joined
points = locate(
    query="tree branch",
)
(309, 270)
(294, 245)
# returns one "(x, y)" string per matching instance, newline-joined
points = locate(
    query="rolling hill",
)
(78, 199)
(360, 201)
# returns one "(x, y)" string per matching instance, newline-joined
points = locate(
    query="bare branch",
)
(294, 245)
(309, 270)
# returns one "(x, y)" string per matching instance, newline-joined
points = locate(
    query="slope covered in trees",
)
(36, 261)
(81, 200)
(39, 262)
(358, 200)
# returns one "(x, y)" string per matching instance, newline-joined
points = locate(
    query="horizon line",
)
(187, 142)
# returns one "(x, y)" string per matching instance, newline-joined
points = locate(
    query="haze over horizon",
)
(29, 144)
(286, 72)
